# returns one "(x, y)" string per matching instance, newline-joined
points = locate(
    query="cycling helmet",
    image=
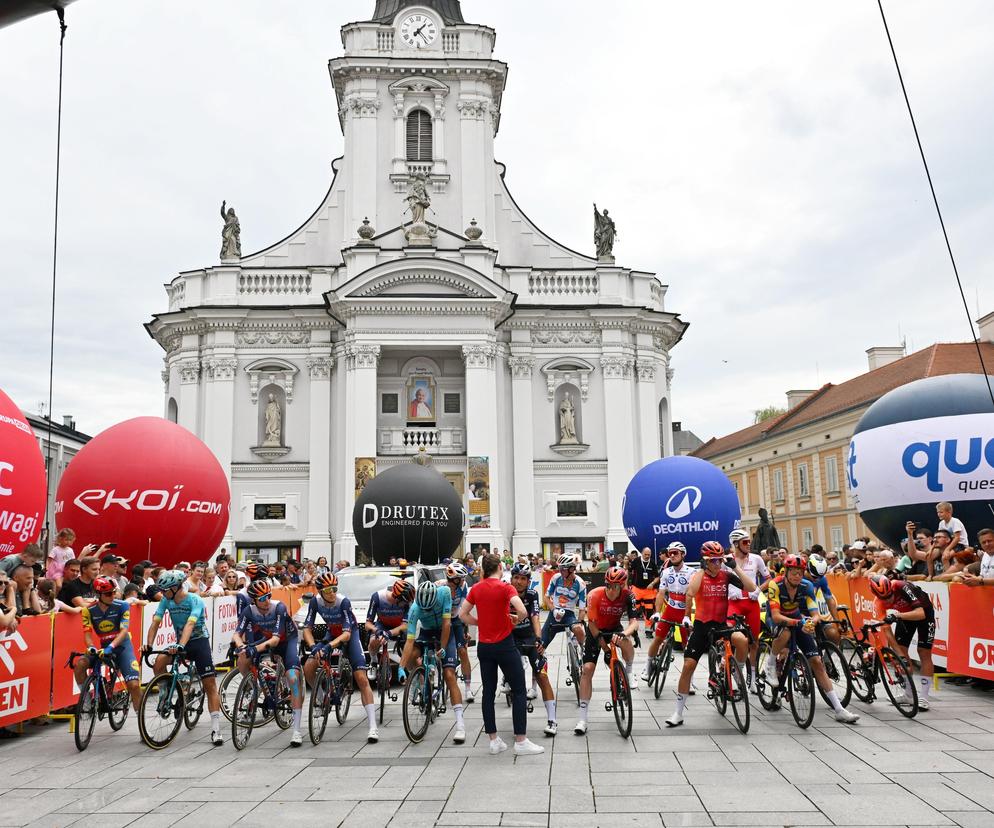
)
(712, 550)
(455, 570)
(402, 563)
(102, 585)
(616, 576)
(794, 562)
(255, 571)
(521, 569)
(326, 581)
(259, 590)
(817, 566)
(402, 591)
(737, 535)
(881, 586)
(676, 546)
(427, 595)
(170, 579)
(566, 561)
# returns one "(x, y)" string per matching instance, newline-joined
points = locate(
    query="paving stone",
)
(691, 819)
(687, 801)
(269, 814)
(368, 813)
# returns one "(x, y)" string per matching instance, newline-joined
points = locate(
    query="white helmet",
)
(737, 535)
(817, 565)
(566, 560)
(427, 595)
(677, 546)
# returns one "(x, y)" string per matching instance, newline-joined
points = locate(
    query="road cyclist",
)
(671, 601)
(455, 577)
(746, 604)
(527, 638)
(567, 598)
(386, 619)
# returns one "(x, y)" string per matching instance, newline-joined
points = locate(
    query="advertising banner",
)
(164, 636)
(479, 492)
(224, 621)
(971, 615)
(26, 670)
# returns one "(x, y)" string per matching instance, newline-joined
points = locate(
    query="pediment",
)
(426, 278)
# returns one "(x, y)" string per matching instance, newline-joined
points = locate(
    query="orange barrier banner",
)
(971, 615)
(26, 670)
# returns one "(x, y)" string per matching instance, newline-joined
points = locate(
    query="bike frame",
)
(101, 680)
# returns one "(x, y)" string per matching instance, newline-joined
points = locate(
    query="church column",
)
(361, 107)
(189, 395)
(618, 419)
(649, 447)
(474, 122)
(219, 393)
(525, 539)
(318, 538)
(481, 428)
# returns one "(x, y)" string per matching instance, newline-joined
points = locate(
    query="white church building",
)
(420, 308)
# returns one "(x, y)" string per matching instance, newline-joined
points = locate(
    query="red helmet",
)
(403, 591)
(102, 585)
(795, 562)
(712, 550)
(881, 586)
(616, 576)
(255, 571)
(326, 581)
(259, 590)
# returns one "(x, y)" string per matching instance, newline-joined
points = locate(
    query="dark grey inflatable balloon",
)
(411, 512)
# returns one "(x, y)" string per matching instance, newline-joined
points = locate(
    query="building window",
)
(571, 508)
(451, 403)
(802, 480)
(832, 474)
(809, 538)
(778, 484)
(270, 511)
(419, 136)
(390, 403)
(837, 541)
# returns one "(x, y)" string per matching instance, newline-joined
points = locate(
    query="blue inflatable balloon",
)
(680, 499)
(929, 441)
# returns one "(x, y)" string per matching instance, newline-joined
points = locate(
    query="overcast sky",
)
(757, 156)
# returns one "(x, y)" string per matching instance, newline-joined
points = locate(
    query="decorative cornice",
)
(521, 367)
(576, 466)
(273, 336)
(220, 369)
(458, 283)
(479, 356)
(362, 356)
(617, 367)
(320, 368)
(565, 336)
(473, 108)
(361, 105)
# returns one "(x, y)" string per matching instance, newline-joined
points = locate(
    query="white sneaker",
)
(846, 717)
(373, 736)
(645, 674)
(497, 745)
(505, 687)
(460, 735)
(675, 720)
(216, 738)
(580, 727)
(633, 685)
(900, 695)
(527, 748)
(923, 704)
(531, 694)
(467, 696)
(551, 728)
(297, 739)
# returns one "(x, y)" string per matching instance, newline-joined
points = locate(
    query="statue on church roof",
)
(231, 234)
(418, 200)
(605, 234)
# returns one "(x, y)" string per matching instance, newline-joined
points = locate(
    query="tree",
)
(768, 413)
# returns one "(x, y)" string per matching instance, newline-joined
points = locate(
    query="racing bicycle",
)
(384, 669)
(574, 662)
(170, 699)
(726, 682)
(332, 689)
(264, 688)
(621, 692)
(97, 696)
(424, 693)
(659, 665)
(869, 661)
(796, 681)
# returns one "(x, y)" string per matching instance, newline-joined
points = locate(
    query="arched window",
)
(419, 136)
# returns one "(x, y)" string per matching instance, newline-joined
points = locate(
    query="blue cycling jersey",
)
(460, 595)
(821, 583)
(572, 597)
(336, 614)
(192, 606)
(389, 615)
(108, 621)
(431, 619)
(256, 626)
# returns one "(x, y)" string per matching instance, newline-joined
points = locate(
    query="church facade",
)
(420, 310)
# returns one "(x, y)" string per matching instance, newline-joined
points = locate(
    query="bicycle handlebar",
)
(171, 653)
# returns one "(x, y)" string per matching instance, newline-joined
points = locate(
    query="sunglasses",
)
(332, 590)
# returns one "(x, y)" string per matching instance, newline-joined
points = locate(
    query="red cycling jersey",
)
(711, 601)
(605, 613)
(905, 598)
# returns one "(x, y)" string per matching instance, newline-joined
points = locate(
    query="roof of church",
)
(386, 10)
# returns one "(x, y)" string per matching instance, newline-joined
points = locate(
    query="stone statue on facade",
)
(605, 234)
(766, 534)
(274, 423)
(567, 421)
(419, 233)
(231, 234)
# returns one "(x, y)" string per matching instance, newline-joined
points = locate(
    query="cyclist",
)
(342, 632)
(266, 626)
(387, 618)
(527, 638)
(455, 575)
(708, 589)
(671, 600)
(188, 615)
(605, 607)
(747, 603)
(910, 607)
(792, 603)
(109, 620)
(567, 596)
(828, 607)
(429, 623)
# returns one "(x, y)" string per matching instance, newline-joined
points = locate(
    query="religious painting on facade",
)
(421, 399)
(365, 470)
(479, 492)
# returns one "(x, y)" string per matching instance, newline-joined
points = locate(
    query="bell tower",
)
(418, 93)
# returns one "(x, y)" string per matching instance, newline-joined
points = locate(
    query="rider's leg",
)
(628, 654)
(586, 688)
(467, 670)
(741, 646)
(135, 691)
(83, 663)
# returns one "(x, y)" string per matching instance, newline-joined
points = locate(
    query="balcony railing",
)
(411, 440)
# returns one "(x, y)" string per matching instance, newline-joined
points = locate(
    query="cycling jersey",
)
(803, 601)
(192, 606)
(256, 626)
(107, 622)
(572, 597)
(389, 615)
(606, 613)
(336, 614)
(711, 601)
(821, 582)
(526, 629)
(431, 619)
(675, 582)
(457, 598)
(905, 598)
(755, 567)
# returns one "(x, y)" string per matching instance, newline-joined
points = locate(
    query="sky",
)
(757, 156)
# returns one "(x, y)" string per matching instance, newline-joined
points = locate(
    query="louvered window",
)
(419, 136)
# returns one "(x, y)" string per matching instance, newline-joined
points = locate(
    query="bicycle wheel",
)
(417, 704)
(194, 688)
(738, 695)
(837, 671)
(243, 712)
(574, 663)
(284, 699)
(769, 693)
(85, 716)
(898, 683)
(852, 657)
(622, 701)
(383, 681)
(716, 679)
(320, 705)
(228, 689)
(802, 691)
(160, 714)
(345, 690)
(665, 660)
(118, 705)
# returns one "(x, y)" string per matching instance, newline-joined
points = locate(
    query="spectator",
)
(937, 554)
(322, 565)
(8, 604)
(79, 592)
(195, 583)
(982, 572)
(231, 582)
(954, 526)
(883, 562)
(855, 556)
(834, 564)
(25, 596)
(152, 593)
(184, 567)
(343, 564)
(132, 594)
(59, 554)
(30, 555)
(293, 571)
(70, 573)
(47, 598)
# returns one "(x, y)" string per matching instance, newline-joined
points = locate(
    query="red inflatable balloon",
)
(22, 480)
(151, 487)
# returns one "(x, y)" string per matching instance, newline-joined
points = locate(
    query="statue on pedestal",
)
(567, 421)
(419, 233)
(231, 234)
(274, 423)
(605, 234)
(766, 534)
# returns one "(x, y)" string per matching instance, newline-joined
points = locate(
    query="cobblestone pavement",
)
(887, 770)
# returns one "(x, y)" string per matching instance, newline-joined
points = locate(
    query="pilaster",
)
(525, 539)
(481, 427)
(619, 416)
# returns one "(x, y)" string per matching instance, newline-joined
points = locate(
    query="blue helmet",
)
(170, 579)
(521, 569)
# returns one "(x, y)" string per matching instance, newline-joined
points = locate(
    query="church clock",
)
(418, 30)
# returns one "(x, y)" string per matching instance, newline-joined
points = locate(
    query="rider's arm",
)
(520, 614)
(187, 631)
(446, 631)
(87, 629)
(748, 584)
(694, 586)
(153, 628)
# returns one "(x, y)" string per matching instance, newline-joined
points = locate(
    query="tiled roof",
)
(934, 361)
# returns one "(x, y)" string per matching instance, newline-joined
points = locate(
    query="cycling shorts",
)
(904, 631)
(552, 627)
(527, 647)
(432, 638)
(672, 616)
(700, 639)
(750, 609)
(198, 650)
(289, 652)
(459, 634)
(124, 657)
(806, 643)
(351, 648)
(592, 647)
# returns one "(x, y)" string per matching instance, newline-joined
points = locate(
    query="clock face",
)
(418, 30)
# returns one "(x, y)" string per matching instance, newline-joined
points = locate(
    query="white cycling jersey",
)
(675, 582)
(755, 568)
